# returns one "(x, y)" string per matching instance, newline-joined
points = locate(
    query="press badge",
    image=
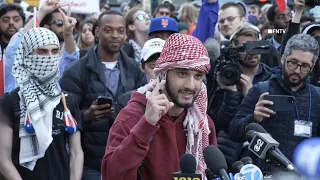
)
(302, 128)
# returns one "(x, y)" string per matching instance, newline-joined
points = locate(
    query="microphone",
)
(216, 161)
(307, 158)
(236, 166)
(262, 145)
(188, 165)
(251, 172)
(247, 160)
(213, 48)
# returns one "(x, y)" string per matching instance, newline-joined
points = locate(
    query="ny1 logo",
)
(258, 145)
(186, 178)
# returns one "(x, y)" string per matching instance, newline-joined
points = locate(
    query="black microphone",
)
(188, 165)
(216, 162)
(236, 166)
(263, 145)
(247, 160)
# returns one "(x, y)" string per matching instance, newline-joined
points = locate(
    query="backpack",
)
(264, 87)
(139, 177)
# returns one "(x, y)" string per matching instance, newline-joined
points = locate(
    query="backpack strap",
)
(263, 86)
(143, 109)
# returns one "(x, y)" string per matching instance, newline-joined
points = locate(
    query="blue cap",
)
(163, 24)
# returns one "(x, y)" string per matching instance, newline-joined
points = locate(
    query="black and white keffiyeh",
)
(37, 77)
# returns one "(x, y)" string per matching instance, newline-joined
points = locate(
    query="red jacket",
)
(129, 140)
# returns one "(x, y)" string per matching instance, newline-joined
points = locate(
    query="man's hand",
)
(69, 22)
(246, 83)
(299, 5)
(97, 112)
(260, 111)
(157, 104)
(49, 6)
(223, 86)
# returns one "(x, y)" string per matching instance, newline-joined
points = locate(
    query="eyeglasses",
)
(142, 17)
(229, 19)
(304, 68)
(59, 23)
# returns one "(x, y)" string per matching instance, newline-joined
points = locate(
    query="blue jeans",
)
(91, 174)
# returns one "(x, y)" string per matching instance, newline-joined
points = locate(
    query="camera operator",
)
(225, 101)
(227, 98)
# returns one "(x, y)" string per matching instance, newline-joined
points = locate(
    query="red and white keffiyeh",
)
(184, 51)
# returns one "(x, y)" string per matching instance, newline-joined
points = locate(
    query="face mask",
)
(41, 67)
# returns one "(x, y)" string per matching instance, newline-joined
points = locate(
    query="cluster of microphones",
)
(263, 146)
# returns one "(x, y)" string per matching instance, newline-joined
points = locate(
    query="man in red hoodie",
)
(164, 119)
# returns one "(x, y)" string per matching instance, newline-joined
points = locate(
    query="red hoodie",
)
(129, 140)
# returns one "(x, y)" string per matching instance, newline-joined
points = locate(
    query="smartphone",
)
(104, 100)
(281, 103)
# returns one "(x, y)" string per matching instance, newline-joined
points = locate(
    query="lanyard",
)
(310, 105)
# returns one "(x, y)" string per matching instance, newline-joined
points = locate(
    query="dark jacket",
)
(273, 59)
(224, 107)
(128, 49)
(129, 144)
(86, 79)
(281, 125)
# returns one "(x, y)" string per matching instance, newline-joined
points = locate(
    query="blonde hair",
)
(189, 14)
(244, 31)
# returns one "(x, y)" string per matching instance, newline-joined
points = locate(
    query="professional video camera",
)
(229, 62)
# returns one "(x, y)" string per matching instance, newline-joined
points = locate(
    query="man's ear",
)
(46, 26)
(283, 59)
(141, 68)
(243, 20)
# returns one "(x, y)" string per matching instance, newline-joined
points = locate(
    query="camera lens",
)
(229, 75)
(291, 100)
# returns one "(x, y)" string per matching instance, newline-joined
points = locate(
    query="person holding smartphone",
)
(288, 127)
(105, 71)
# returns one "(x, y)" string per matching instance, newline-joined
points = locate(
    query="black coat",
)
(86, 80)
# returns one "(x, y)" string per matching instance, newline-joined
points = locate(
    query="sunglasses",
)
(142, 17)
(59, 23)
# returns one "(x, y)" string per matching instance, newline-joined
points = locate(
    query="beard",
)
(60, 37)
(174, 96)
(6, 33)
(111, 48)
(293, 79)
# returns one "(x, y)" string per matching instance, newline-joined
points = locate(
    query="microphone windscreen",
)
(256, 127)
(188, 163)
(236, 166)
(214, 159)
(213, 48)
(247, 160)
(307, 158)
(250, 135)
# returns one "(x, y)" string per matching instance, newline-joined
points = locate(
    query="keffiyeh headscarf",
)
(37, 77)
(184, 51)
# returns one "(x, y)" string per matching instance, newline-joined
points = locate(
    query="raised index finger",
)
(159, 86)
(62, 13)
(69, 10)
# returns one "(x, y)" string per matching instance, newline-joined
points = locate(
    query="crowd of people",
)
(124, 94)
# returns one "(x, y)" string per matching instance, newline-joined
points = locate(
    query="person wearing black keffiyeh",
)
(44, 121)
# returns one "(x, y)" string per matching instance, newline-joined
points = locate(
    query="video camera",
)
(229, 62)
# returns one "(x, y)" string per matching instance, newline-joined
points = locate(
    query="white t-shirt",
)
(110, 65)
